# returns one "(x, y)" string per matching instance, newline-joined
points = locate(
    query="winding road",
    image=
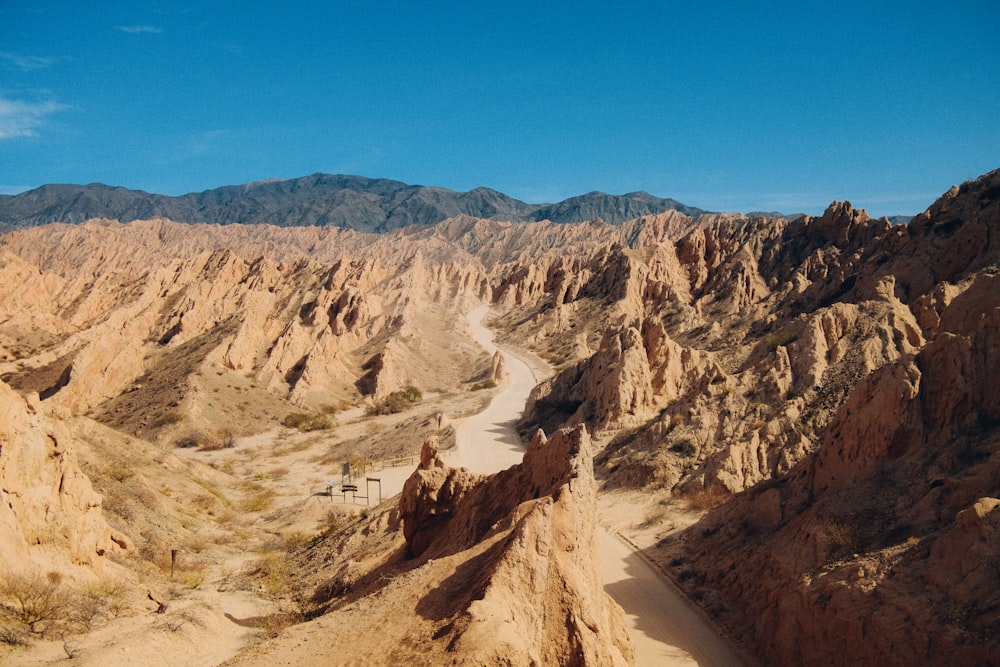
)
(666, 629)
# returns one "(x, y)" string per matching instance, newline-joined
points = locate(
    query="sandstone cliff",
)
(539, 598)
(879, 547)
(50, 517)
(731, 348)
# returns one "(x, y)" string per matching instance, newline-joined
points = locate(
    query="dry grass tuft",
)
(259, 500)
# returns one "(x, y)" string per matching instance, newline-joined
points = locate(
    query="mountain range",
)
(324, 200)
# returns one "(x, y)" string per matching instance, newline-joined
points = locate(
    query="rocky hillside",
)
(823, 381)
(481, 570)
(829, 376)
(323, 200)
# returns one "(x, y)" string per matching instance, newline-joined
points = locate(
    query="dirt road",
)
(487, 441)
(664, 628)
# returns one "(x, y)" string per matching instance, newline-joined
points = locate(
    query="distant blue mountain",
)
(350, 202)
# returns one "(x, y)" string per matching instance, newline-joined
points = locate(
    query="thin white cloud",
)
(26, 63)
(14, 189)
(139, 29)
(23, 119)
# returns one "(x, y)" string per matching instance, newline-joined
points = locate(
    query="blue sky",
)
(722, 105)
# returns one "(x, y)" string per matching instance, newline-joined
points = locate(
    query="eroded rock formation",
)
(50, 517)
(541, 598)
(880, 546)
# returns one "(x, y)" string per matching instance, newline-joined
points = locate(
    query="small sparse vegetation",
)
(275, 572)
(396, 402)
(35, 601)
(317, 421)
(188, 441)
(841, 534)
(168, 418)
(223, 439)
(485, 384)
(191, 574)
(119, 472)
(257, 501)
(703, 500)
(684, 447)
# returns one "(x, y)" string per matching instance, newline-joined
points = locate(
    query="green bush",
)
(396, 402)
(684, 447)
(485, 384)
(308, 422)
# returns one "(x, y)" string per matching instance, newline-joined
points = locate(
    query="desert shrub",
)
(308, 422)
(11, 636)
(332, 520)
(222, 439)
(396, 402)
(842, 538)
(684, 447)
(275, 574)
(273, 624)
(112, 594)
(36, 601)
(188, 441)
(278, 472)
(257, 501)
(295, 540)
(294, 419)
(192, 576)
(485, 384)
(119, 472)
(706, 499)
(168, 418)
